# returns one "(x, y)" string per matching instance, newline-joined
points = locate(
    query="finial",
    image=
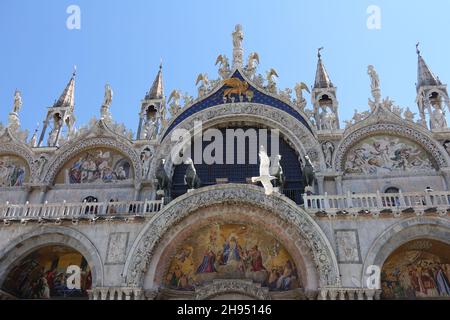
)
(74, 71)
(160, 63)
(318, 52)
(417, 48)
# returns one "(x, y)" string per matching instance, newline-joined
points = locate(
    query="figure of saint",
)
(256, 260)
(328, 149)
(375, 80)
(238, 37)
(208, 263)
(17, 101)
(438, 120)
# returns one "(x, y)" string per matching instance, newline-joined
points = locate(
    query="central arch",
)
(303, 238)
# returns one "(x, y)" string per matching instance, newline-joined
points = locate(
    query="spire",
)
(425, 76)
(322, 78)
(157, 89)
(67, 98)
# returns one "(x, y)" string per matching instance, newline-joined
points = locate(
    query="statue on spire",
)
(107, 101)
(375, 83)
(238, 37)
(17, 101)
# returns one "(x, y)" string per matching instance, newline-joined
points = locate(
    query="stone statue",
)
(150, 129)
(203, 88)
(107, 101)
(301, 101)
(277, 172)
(328, 150)
(164, 182)
(224, 69)
(375, 83)
(348, 123)
(17, 101)
(146, 157)
(238, 37)
(409, 115)
(191, 178)
(437, 118)
(375, 80)
(252, 64)
(308, 175)
(271, 84)
(175, 107)
(40, 164)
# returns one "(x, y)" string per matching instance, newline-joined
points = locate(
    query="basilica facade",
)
(99, 212)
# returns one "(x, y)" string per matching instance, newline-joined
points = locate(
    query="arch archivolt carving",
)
(61, 157)
(390, 129)
(144, 255)
(403, 232)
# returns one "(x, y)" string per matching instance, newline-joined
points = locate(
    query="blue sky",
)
(122, 42)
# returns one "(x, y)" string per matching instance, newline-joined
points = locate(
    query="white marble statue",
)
(271, 84)
(374, 78)
(203, 88)
(17, 101)
(252, 64)
(224, 69)
(264, 172)
(150, 129)
(409, 115)
(174, 102)
(300, 100)
(107, 101)
(437, 118)
(328, 150)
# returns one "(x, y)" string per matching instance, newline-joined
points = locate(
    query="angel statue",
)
(252, 64)
(271, 85)
(264, 172)
(301, 101)
(175, 97)
(224, 69)
(17, 101)
(203, 88)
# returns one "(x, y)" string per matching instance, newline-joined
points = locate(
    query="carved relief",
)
(388, 129)
(384, 154)
(13, 171)
(117, 248)
(347, 244)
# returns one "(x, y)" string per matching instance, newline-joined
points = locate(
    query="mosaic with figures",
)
(96, 166)
(418, 269)
(232, 251)
(13, 171)
(385, 154)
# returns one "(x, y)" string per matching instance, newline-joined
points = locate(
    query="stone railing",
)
(375, 203)
(63, 210)
(116, 293)
(349, 294)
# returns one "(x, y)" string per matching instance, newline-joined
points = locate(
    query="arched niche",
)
(95, 166)
(14, 171)
(381, 154)
(231, 250)
(418, 269)
(50, 272)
